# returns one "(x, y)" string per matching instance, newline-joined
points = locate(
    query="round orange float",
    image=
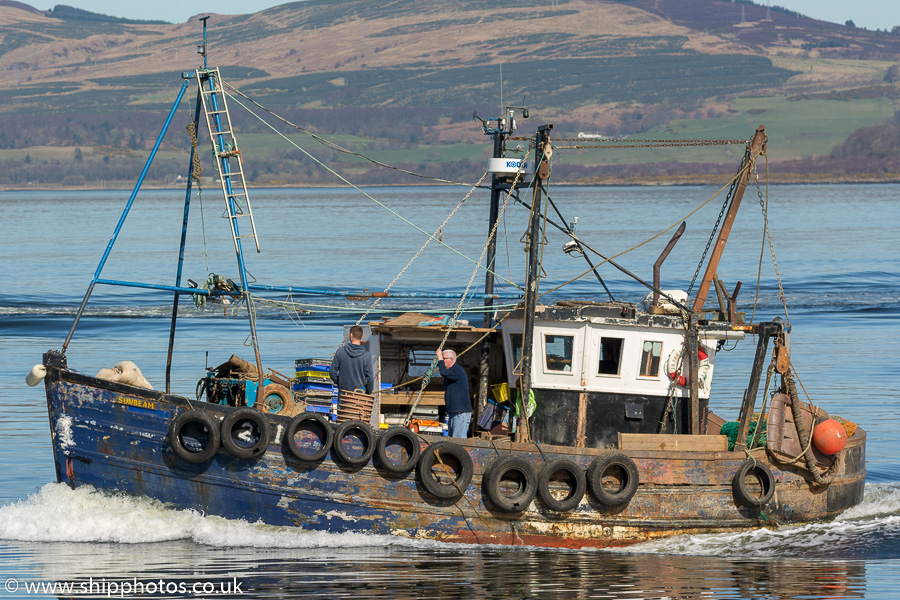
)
(829, 436)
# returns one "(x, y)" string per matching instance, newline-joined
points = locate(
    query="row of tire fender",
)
(529, 482)
(245, 433)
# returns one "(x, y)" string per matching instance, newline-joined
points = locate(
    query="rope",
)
(820, 477)
(357, 188)
(654, 144)
(335, 309)
(762, 411)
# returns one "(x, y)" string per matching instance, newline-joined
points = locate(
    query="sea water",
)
(836, 252)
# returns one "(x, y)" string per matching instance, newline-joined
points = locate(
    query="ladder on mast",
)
(224, 148)
(211, 95)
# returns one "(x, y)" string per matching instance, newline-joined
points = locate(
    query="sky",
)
(871, 14)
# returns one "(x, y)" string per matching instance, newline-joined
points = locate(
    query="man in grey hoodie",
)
(351, 368)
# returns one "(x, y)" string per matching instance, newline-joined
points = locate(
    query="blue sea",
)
(836, 250)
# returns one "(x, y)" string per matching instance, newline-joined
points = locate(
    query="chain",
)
(764, 205)
(654, 144)
(196, 166)
(638, 143)
(712, 234)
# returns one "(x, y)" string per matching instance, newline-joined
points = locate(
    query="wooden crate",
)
(355, 406)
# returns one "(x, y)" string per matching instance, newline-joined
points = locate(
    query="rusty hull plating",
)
(115, 437)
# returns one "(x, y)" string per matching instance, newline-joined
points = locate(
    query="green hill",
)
(400, 80)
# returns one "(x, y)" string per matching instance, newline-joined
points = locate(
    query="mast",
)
(500, 181)
(499, 138)
(532, 282)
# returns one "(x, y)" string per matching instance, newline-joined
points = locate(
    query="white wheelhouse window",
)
(559, 351)
(651, 356)
(610, 360)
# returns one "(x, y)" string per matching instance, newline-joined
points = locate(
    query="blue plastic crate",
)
(313, 364)
(313, 386)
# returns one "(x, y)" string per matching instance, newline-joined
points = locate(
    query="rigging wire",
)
(768, 235)
(334, 146)
(338, 309)
(363, 192)
(462, 301)
(675, 224)
(422, 249)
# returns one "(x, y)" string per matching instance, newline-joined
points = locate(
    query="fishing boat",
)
(595, 428)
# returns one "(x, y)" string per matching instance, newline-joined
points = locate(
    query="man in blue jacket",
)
(351, 368)
(456, 394)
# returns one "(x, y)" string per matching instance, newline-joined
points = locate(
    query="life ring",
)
(510, 483)
(194, 425)
(407, 440)
(245, 433)
(617, 469)
(450, 458)
(348, 429)
(314, 424)
(742, 494)
(676, 369)
(277, 400)
(549, 481)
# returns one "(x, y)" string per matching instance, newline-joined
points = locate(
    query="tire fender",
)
(245, 433)
(742, 494)
(343, 431)
(440, 454)
(315, 420)
(396, 434)
(577, 484)
(526, 483)
(199, 418)
(618, 466)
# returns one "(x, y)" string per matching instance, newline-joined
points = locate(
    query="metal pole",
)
(533, 281)
(184, 225)
(488, 318)
(134, 192)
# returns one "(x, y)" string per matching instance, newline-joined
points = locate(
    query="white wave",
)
(57, 513)
(878, 513)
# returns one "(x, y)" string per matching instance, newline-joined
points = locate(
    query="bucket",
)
(501, 393)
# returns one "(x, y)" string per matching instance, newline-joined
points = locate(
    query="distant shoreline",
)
(667, 181)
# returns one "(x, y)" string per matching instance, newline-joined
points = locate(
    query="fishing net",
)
(730, 430)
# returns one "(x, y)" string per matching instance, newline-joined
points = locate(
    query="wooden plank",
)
(673, 443)
(404, 400)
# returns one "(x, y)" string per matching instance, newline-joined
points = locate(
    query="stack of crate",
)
(312, 385)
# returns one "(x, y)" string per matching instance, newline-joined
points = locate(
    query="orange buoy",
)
(829, 436)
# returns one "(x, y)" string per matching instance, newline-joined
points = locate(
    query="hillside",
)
(400, 80)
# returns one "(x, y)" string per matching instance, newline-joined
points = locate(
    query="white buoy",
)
(36, 375)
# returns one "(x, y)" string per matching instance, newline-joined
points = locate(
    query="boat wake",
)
(57, 513)
(870, 530)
